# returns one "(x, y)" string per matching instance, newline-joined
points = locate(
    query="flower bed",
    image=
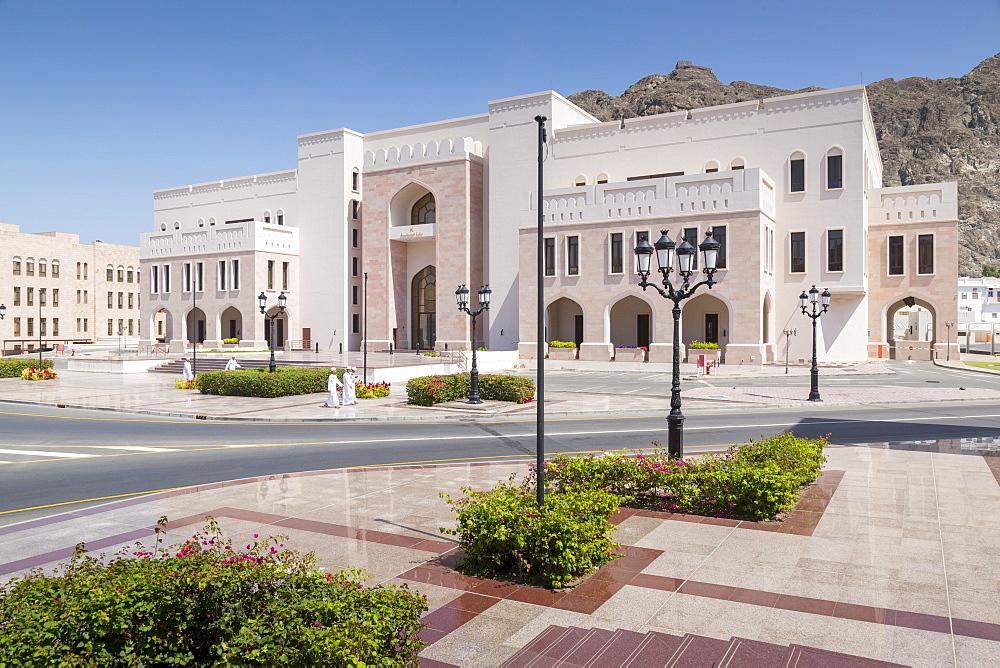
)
(204, 603)
(502, 531)
(373, 390)
(12, 368)
(285, 381)
(756, 481)
(38, 374)
(430, 390)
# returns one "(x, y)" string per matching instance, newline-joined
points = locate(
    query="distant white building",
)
(978, 306)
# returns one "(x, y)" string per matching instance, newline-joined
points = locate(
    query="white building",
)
(978, 306)
(793, 183)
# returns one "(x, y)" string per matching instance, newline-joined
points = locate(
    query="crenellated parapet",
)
(232, 237)
(919, 203)
(721, 192)
(465, 148)
(238, 184)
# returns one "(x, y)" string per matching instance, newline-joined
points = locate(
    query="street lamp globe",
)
(3, 310)
(665, 252)
(685, 258)
(709, 252)
(462, 296)
(813, 294)
(282, 300)
(643, 255)
(803, 300)
(484, 295)
(262, 300)
(826, 298)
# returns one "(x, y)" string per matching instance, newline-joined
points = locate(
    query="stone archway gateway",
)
(911, 327)
(231, 323)
(423, 291)
(195, 326)
(564, 321)
(631, 322)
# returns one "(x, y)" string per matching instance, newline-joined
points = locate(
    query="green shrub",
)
(230, 341)
(12, 368)
(502, 531)
(562, 344)
(204, 603)
(430, 390)
(703, 345)
(286, 381)
(756, 481)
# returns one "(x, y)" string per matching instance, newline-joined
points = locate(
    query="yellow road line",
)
(99, 498)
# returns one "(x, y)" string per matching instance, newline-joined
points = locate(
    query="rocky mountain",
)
(928, 130)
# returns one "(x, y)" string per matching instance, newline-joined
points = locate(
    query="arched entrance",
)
(705, 318)
(631, 322)
(423, 292)
(278, 326)
(231, 323)
(162, 326)
(195, 323)
(911, 326)
(564, 321)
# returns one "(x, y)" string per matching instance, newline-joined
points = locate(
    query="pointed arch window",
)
(424, 211)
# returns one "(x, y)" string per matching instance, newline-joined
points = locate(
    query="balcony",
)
(237, 237)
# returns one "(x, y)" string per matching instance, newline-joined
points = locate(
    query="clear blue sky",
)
(101, 101)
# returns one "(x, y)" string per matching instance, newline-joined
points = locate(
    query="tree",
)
(991, 271)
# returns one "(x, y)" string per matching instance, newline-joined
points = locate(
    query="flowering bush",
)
(430, 390)
(703, 345)
(206, 602)
(562, 344)
(285, 381)
(182, 384)
(32, 373)
(373, 390)
(12, 368)
(756, 481)
(503, 531)
(230, 341)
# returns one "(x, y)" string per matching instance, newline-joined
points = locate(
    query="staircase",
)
(571, 646)
(218, 364)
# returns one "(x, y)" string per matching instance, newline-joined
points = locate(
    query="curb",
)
(966, 367)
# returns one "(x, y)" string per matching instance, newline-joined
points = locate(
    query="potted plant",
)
(710, 350)
(562, 350)
(630, 353)
(230, 343)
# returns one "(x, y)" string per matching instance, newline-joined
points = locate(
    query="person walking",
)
(186, 372)
(232, 364)
(333, 384)
(350, 387)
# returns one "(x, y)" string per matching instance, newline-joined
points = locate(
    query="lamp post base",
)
(675, 437)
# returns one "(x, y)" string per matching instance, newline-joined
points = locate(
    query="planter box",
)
(563, 353)
(711, 355)
(630, 355)
(230, 345)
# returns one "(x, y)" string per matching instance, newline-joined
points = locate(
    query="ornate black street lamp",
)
(665, 251)
(282, 300)
(462, 297)
(805, 300)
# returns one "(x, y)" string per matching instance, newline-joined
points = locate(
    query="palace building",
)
(791, 186)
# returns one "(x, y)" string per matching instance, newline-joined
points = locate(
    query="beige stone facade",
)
(59, 292)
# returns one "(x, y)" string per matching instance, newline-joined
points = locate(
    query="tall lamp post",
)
(665, 250)
(3, 311)
(282, 300)
(540, 324)
(949, 325)
(462, 297)
(805, 301)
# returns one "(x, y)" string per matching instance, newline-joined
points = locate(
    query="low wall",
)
(112, 366)
(486, 362)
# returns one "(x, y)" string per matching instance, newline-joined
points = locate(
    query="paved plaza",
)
(886, 558)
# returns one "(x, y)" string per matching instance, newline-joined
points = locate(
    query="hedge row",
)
(12, 368)
(430, 390)
(206, 602)
(286, 381)
(756, 481)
